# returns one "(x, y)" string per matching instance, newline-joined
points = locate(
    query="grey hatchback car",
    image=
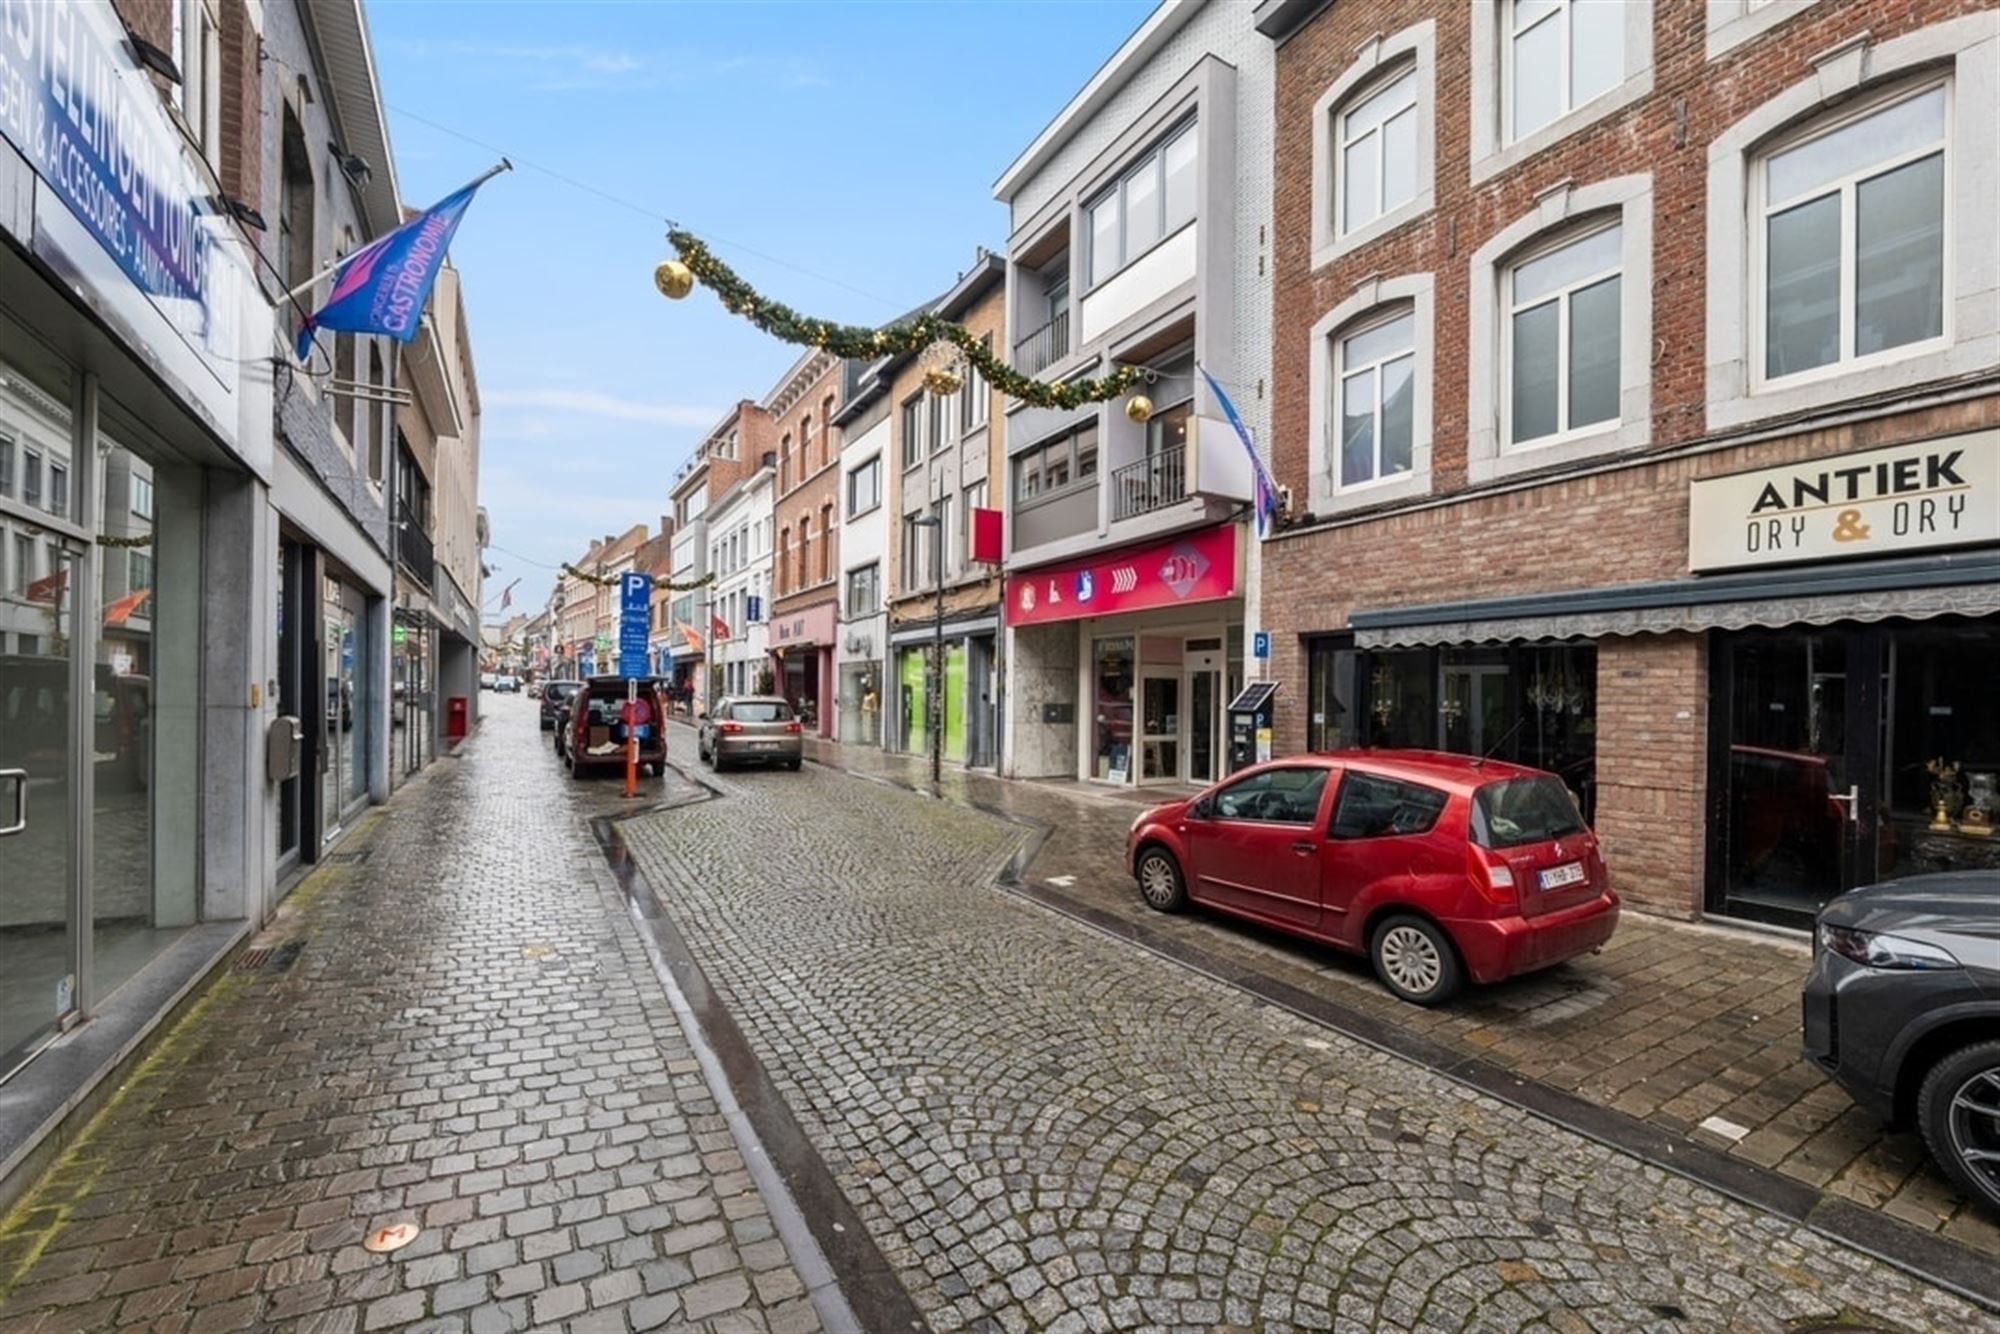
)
(1902, 1009)
(751, 729)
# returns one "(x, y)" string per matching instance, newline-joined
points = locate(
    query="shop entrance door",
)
(1795, 770)
(41, 775)
(1205, 698)
(1160, 728)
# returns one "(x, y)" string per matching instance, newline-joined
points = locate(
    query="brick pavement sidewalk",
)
(1672, 1024)
(459, 1028)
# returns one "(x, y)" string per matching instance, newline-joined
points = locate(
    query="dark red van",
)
(1436, 866)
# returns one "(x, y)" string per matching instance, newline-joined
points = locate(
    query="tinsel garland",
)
(140, 540)
(862, 343)
(611, 580)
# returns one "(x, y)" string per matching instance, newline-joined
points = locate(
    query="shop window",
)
(1111, 710)
(1943, 765)
(1852, 242)
(1530, 704)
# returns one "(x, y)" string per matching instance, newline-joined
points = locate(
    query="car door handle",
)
(1304, 847)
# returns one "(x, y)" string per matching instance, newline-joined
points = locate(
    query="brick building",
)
(734, 448)
(1634, 382)
(805, 576)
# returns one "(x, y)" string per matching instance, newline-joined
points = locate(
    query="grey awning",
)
(1965, 584)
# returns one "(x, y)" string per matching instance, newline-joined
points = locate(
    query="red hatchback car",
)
(1436, 866)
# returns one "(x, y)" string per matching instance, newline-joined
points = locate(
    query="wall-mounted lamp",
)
(152, 57)
(352, 165)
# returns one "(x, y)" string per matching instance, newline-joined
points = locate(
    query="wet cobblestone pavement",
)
(1043, 1128)
(460, 1030)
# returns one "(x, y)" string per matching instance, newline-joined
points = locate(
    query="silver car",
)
(751, 729)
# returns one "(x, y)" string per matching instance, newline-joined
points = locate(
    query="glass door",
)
(336, 712)
(40, 776)
(1160, 724)
(1797, 741)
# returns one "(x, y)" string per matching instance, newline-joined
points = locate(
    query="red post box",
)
(455, 717)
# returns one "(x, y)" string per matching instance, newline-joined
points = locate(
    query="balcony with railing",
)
(413, 547)
(1151, 483)
(1044, 347)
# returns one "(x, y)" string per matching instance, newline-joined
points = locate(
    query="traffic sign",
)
(1260, 644)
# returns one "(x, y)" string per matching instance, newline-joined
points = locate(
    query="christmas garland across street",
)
(861, 343)
(611, 580)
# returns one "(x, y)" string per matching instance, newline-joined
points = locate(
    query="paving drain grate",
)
(251, 960)
(349, 858)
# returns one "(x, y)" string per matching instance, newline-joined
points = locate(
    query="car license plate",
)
(763, 745)
(1555, 877)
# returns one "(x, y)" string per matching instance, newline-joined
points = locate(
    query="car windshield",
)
(1515, 811)
(762, 711)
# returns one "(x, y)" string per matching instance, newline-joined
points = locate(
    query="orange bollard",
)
(631, 739)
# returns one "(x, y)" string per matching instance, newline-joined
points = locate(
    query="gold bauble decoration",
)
(943, 382)
(674, 279)
(1139, 408)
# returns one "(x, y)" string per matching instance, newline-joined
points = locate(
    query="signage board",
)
(814, 625)
(1260, 644)
(1193, 567)
(122, 211)
(635, 610)
(1880, 502)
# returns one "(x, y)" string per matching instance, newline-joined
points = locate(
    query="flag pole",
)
(329, 270)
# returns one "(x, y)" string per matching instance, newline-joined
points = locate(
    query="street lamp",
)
(935, 521)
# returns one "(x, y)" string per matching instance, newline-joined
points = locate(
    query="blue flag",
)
(1265, 491)
(382, 287)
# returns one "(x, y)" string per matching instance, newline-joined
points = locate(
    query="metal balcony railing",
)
(1044, 347)
(1152, 483)
(413, 547)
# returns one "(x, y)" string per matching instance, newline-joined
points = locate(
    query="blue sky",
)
(858, 141)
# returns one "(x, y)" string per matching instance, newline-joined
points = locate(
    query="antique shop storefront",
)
(1811, 708)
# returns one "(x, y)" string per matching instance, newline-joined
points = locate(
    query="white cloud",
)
(589, 403)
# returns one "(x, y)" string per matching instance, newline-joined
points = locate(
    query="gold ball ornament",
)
(943, 382)
(1139, 408)
(674, 279)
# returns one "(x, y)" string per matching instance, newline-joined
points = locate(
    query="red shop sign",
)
(1196, 567)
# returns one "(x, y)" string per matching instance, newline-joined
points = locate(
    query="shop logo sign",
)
(1933, 493)
(1085, 585)
(1183, 569)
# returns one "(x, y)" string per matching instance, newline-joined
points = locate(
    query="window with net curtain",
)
(1852, 236)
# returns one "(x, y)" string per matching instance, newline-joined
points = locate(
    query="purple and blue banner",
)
(1266, 491)
(382, 287)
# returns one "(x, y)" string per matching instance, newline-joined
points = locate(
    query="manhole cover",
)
(393, 1237)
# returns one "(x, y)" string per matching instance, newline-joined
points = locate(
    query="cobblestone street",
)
(455, 1026)
(1044, 1128)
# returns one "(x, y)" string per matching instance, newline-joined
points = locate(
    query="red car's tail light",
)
(1491, 876)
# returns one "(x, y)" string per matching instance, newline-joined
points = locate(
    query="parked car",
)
(595, 735)
(750, 729)
(1438, 867)
(507, 683)
(553, 695)
(1902, 1009)
(488, 679)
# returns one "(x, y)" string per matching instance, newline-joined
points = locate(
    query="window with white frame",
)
(913, 430)
(864, 487)
(1559, 54)
(1852, 243)
(864, 590)
(1561, 332)
(197, 46)
(1376, 166)
(1375, 399)
(1153, 200)
(973, 395)
(6, 467)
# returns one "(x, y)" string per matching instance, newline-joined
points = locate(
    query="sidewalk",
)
(1673, 1024)
(452, 1025)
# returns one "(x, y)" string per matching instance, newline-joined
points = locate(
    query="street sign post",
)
(635, 604)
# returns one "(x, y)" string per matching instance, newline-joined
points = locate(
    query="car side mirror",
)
(701, 717)
(1203, 809)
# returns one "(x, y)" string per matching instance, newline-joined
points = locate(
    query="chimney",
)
(609, 538)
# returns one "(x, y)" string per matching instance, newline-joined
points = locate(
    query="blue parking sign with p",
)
(635, 604)
(1260, 644)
